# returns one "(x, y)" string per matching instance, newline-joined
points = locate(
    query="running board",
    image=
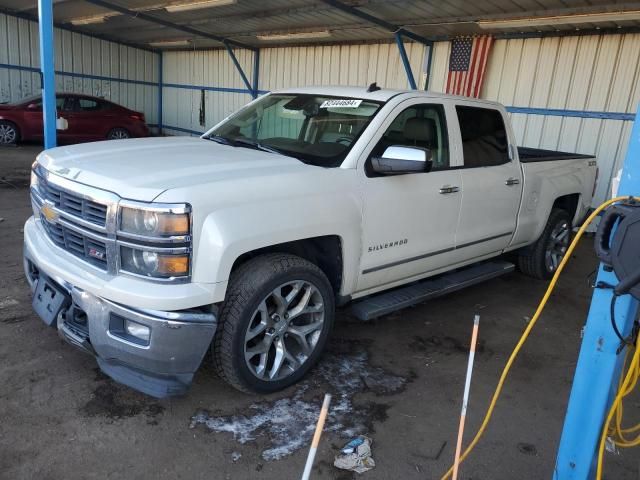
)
(418, 292)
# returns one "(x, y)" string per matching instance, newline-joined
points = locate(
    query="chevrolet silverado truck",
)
(148, 253)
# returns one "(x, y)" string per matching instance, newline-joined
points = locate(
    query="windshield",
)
(318, 130)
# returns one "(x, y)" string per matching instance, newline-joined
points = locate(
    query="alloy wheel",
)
(8, 134)
(557, 246)
(284, 330)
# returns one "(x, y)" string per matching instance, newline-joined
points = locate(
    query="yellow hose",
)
(530, 326)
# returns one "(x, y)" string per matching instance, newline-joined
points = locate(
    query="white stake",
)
(316, 437)
(465, 398)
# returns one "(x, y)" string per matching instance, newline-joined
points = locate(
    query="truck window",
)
(421, 126)
(484, 137)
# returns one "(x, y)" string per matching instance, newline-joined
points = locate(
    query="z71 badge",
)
(382, 246)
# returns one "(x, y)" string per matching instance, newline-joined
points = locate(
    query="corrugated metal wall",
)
(587, 73)
(212, 70)
(78, 54)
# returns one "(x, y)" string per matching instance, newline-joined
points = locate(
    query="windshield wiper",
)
(220, 139)
(243, 142)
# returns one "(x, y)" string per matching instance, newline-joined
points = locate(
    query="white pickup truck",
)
(149, 252)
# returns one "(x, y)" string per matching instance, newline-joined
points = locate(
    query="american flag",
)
(467, 64)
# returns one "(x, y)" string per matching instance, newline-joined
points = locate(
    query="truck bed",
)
(530, 155)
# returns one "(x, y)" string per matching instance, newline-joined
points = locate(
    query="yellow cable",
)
(530, 326)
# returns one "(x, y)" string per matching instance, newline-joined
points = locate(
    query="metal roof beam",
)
(182, 28)
(377, 21)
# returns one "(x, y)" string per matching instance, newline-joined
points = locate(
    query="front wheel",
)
(274, 323)
(8, 133)
(542, 259)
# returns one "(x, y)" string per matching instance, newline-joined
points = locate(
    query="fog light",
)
(138, 330)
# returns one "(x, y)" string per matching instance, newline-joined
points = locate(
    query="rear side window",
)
(88, 105)
(484, 137)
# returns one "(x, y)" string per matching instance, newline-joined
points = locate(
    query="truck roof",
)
(382, 95)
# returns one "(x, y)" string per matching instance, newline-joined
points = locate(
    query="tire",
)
(118, 133)
(541, 259)
(9, 133)
(260, 320)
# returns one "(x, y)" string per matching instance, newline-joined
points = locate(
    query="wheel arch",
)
(324, 251)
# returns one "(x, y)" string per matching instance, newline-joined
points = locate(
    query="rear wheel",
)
(274, 323)
(542, 259)
(118, 134)
(8, 133)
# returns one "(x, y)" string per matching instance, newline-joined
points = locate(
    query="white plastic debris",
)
(611, 447)
(356, 456)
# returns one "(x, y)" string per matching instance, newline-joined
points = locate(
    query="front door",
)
(410, 220)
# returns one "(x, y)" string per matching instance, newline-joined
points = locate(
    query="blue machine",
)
(600, 361)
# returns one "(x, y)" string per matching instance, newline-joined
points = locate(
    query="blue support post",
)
(47, 68)
(405, 60)
(238, 66)
(429, 61)
(599, 365)
(256, 72)
(160, 87)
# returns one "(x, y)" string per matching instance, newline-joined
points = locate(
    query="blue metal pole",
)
(239, 67)
(160, 87)
(45, 26)
(599, 365)
(405, 60)
(429, 61)
(256, 72)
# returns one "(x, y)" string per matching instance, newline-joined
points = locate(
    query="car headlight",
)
(154, 264)
(154, 222)
(155, 240)
(34, 176)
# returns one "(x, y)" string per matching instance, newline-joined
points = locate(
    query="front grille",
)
(88, 249)
(73, 204)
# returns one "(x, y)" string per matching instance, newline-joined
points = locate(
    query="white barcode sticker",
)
(341, 103)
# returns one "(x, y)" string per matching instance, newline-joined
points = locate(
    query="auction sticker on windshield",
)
(344, 103)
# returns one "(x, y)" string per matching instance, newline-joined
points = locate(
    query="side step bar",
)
(418, 292)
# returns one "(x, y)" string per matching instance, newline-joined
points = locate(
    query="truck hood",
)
(141, 169)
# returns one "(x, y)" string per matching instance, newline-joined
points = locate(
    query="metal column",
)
(256, 72)
(47, 69)
(599, 365)
(405, 60)
(160, 87)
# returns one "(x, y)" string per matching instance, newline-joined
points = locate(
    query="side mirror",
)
(398, 160)
(33, 106)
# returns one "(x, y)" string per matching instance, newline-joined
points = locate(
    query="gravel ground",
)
(398, 379)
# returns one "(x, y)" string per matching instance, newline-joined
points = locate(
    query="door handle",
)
(512, 181)
(449, 189)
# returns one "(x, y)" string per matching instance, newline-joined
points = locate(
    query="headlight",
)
(155, 240)
(34, 177)
(153, 263)
(154, 222)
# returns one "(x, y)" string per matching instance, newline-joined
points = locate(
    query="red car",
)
(88, 118)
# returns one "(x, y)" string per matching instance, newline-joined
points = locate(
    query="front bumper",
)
(162, 366)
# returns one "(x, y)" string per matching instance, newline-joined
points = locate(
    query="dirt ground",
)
(398, 379)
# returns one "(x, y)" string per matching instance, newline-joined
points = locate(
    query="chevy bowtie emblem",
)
(48, 213)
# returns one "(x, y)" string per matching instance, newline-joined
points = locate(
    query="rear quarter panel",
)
(544, 183)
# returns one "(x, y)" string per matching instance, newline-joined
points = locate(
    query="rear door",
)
(33, 117)
(491, 182)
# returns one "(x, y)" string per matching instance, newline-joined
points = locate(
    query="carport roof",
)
(260, 23)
